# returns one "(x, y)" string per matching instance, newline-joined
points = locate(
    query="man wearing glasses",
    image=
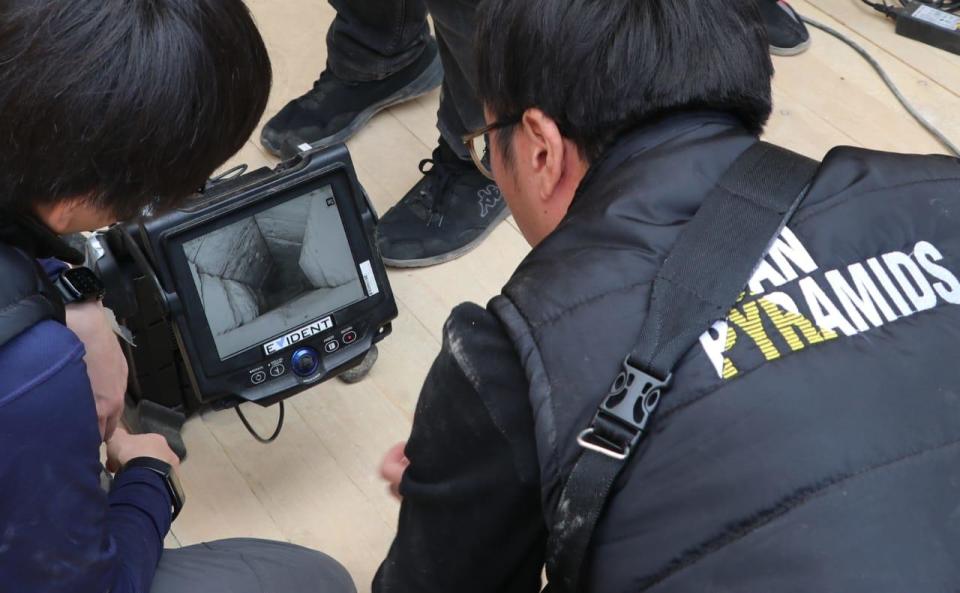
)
(807, 442)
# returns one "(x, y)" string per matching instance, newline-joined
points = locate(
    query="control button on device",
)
(258, 377)
(350, 337)
(331, 346)
(305, 361)
(277, 370)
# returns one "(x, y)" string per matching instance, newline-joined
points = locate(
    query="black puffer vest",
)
(810, 442)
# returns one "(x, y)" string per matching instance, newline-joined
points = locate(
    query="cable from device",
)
(256, 435)
(882, 7)
(936, 133)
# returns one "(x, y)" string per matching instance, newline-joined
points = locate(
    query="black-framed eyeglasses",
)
(478, 143)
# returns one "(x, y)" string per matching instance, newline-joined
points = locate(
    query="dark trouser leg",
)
(249, 566)
(372, 39)
(454, 207)
(380, 54)
(460, 110)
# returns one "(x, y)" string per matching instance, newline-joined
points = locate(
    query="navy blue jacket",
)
(59, 530)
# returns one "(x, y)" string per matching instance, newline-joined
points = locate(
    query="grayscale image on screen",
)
(274, 271)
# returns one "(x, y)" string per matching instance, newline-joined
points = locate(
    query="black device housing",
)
(175, 362)
(929, 25)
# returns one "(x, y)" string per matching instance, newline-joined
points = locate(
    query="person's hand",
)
(106, 365)
(394, 463)
(123, 446)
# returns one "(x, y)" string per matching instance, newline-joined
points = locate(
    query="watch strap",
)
(64, 290)
(165, 471)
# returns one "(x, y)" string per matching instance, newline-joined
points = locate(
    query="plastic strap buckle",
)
(622, 418)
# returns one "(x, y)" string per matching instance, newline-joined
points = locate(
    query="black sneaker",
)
(448, 213)
(788, 35)
(335, 109)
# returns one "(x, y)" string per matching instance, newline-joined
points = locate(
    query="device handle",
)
(169, 302)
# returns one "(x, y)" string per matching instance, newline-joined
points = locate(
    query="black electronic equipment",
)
(263, 285)
(930, 25)
(934, 22)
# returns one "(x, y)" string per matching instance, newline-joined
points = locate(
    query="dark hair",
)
(600, 67)
(130, 102)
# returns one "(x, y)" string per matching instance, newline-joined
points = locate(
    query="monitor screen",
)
(274, 271)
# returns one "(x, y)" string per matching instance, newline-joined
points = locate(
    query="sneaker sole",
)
(428, 80)
(450, 255)
(790, 51)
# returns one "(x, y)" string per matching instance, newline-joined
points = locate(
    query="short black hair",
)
(130, 102)
(600, 67)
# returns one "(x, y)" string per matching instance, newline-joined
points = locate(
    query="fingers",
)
(107, 366)
(394, 463)
(114, 445)
(392, 472)
(156, 446)
(109, 425)
(398, 452)
(392, 468)
(119, 433)
(123, 446)
(109, 412)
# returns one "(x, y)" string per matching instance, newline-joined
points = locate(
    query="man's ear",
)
(545, 151)
(71, 215)
(57, 216)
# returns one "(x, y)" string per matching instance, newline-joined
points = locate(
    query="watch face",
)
(84, 282)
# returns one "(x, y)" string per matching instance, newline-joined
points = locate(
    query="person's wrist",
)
(137, 473)
(166, 472)
(143, 476)
(143, 459)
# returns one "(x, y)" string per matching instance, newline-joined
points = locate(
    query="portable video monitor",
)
(274, 269)
(270, 283)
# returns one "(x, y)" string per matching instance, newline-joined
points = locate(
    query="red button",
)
(350, 337)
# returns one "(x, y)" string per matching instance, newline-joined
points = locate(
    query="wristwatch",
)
(79, 285)
(165, 470)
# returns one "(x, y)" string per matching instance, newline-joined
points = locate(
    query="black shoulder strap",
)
(26, 295)
(697, 285)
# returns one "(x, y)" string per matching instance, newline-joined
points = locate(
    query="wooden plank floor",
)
(317, 485)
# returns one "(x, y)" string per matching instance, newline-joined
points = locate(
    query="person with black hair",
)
(807, 441)
(380, 54)
(108, 107)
